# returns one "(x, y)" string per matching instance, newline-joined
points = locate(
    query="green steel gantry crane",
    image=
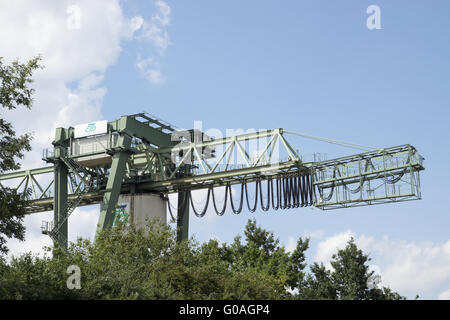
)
(96, 163)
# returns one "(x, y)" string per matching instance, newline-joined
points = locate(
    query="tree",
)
(126, 262)
(14, 92)
(318, 285)
(349, 279)
(262, 252)
(351, 274)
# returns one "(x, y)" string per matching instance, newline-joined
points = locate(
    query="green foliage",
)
(318, 285)
(351, 274)
(15, 80)
(148, 263)
(14, 92)
(12, 211)
(349, 279)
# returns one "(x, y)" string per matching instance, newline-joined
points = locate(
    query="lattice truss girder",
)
(382, 176)
(40, 185)
(191, 165)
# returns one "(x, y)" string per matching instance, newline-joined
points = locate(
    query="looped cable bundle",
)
(368, 163)
(290, 191)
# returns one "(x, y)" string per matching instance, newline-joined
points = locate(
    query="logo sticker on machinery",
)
(121, 213)
(90, 129)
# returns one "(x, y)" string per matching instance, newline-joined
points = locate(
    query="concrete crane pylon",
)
(134, 162)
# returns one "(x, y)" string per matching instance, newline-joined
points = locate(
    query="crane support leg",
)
(113, 186)
(61, 172)
(183, 216)
(60, 202)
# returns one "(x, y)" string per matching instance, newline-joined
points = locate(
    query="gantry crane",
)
(136, 154)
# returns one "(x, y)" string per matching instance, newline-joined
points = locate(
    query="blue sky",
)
(308, 66)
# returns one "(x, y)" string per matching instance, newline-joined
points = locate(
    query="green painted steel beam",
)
(226, 140)
(366, 155)
(183, 216)
(60, 235)
(24, 173)
(376, 174)
(43, 205)
(367, 201)
(134, 128)
(195, 182)
(60, 203)
(114, 185)
(263, 170)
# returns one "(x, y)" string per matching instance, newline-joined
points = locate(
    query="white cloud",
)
(70, 56)
(136, 23)
(34, 239)
(291, 244)
(415, 266)
(157, 36)
(328, 247)
(150, 70)
(407, 267)
(154, 31)
(78, 42)
(162, 17)
(83, 223)
(444, 295)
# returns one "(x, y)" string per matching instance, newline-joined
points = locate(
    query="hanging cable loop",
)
(267, 206)
(221, 212)
(256, 197)
(284, 191)
(236, 211)
(272, 194)
(202, 213)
